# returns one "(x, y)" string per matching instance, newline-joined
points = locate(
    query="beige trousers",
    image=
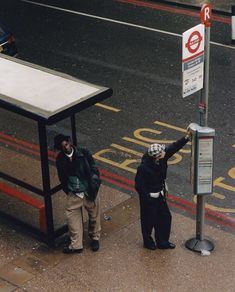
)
(75, 219)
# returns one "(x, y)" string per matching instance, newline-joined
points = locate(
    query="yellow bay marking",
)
(137, 134)
(218, 196)
(128, 150)
(231, 172)
(136, 141)
(110, 108)
(177, 159)
(214, 208)
(173, 128)
(141, 140)
(123, 165)
(170, 126)
(218, 183)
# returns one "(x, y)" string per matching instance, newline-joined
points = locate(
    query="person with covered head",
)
(151, 187)
(79, 178)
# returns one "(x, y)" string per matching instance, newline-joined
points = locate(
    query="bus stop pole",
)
(204, 123)
(205, 95)
(199, 243)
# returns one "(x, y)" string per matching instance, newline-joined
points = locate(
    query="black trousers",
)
(155, 214)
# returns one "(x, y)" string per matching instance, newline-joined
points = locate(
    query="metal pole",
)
(200, 217)
(206, 80)
(203, 122)
(233, 24)
(73, 127)
(46, 183)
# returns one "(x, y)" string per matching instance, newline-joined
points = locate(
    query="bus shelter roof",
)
(42, 94)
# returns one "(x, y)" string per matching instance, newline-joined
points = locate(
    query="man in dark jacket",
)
(75, 167)
(151, 187)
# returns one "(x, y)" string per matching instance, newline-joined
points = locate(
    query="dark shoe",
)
(150, 245)
(68, 250)
(169, 246)
(95, 245)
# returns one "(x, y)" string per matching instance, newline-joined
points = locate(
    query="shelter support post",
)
(46, 184)
(73, 128)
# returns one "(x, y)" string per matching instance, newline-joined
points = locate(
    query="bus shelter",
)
(46, 97)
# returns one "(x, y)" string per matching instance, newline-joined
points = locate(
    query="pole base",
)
(198, 245)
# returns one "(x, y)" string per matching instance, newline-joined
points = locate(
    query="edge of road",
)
(193, 6)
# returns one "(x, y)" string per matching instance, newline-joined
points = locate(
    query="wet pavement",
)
(121, 264)
(217, 5)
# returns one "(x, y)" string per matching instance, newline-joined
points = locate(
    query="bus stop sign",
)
(205, 14)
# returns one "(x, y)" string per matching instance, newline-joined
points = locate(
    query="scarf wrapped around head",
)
(156, 149)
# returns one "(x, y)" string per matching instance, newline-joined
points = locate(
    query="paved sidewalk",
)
(121, 264)
(217, 5)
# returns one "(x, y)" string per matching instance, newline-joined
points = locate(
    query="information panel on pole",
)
(193, 59)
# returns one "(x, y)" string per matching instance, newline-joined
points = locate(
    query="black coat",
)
(150, 176)
(82, 165)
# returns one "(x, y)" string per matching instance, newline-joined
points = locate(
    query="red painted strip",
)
(117, 183)
(213, 218)
(118, 177)
(181, 203)
(21, 142)
(12, 141)
(218, 221)
(28, 200)
(42, 220)
(21, 196)
(188, 206)
(192, 212)
(173, 10)
(17, 146)
(192, 57)
(208, 211)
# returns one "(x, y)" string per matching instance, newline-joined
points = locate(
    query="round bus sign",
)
(194, 42)
(205, 14)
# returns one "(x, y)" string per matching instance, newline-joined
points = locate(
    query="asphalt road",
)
(136, 50)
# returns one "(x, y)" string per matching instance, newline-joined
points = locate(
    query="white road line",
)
(117, 21)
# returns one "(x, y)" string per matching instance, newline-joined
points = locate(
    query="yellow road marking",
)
(125, 149)
(218, 196)
(218, 183)
(177, 159)
(170, 126)
(110, 108)
(136, 141)
(214, 208)
(122, 165)
(231, 172)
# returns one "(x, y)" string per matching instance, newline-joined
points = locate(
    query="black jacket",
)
(82, 165)
(150, 176)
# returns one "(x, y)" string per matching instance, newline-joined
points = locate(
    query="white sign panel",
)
(193, 75)
(205, 163)
(193, 60)
(193, 41)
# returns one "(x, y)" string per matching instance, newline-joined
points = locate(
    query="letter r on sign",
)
(205, 14)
